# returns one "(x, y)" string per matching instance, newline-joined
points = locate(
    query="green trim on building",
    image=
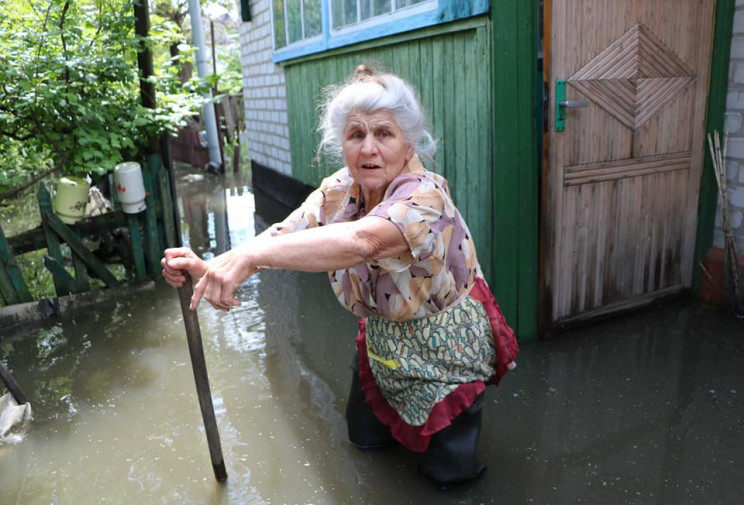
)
(719, 70)
(514, 277)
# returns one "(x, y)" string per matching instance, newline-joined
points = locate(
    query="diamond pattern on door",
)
(634, 77)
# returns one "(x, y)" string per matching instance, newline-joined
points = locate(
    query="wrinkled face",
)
(375, 150)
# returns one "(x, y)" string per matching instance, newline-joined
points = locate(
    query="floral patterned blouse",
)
(440, 267)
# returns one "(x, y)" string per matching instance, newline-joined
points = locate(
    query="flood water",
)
(644, 409)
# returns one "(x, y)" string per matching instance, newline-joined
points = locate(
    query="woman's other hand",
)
(178, 260)
(221, 278)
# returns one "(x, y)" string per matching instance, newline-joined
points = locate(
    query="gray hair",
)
(368, 92)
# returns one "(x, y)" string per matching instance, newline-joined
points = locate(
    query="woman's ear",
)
(409, 153)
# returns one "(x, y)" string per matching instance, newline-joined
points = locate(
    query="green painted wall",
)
(483, 149)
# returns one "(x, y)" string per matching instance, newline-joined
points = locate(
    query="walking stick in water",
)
(196, 350)
(199, 365)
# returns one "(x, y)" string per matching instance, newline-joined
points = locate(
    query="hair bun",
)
(363, 70)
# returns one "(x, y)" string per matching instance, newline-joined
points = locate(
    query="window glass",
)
(348, 12)
(280, 24)
(313, 18)
(296, 20)
(379, 7)
(294, 16)
(344, 12)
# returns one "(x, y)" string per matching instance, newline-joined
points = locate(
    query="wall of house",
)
(464, 71)
(734, 124)
(450, 67)
(265, 93)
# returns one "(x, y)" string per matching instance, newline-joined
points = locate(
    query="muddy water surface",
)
(639, 410)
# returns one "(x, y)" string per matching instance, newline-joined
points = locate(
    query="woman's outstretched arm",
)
(321, 249)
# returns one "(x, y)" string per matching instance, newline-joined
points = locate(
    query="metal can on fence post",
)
(130, 187)
(70, 199)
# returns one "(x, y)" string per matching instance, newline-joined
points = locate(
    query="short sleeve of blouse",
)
(305, 216)
(324, 203)
(423, 212)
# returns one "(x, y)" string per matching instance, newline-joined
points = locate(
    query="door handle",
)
(561, 104)
(574, 104)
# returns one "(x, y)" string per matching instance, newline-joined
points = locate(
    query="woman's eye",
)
(356, 135)
(384, 133)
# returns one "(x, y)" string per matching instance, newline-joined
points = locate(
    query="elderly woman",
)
(399, 255)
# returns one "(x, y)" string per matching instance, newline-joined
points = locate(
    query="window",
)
(309, 26)
(350, 12)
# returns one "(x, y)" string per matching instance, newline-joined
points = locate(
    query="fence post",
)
(135, 234)
(154, 250)
(166, 204)
(52, 242)
(11, 280)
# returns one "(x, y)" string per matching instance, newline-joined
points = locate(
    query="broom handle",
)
(718, 171)
(199, 366)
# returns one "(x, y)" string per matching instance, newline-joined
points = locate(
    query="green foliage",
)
(231, 78)
(69, 87)
(20, 161)
(38, 279)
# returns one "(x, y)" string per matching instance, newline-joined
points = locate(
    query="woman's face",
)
(375, 150)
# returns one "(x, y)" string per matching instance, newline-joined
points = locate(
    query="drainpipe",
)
(210, 119)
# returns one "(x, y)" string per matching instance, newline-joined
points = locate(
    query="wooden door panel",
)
(622, 178)
(620, 257)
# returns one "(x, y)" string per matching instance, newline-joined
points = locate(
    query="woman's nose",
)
(369, 146)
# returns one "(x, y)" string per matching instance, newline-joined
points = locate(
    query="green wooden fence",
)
(150, 232)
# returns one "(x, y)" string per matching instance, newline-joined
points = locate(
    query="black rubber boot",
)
(365, 430)
(450, 458)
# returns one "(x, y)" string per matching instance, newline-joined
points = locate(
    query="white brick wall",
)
(733, 124)
(264, 92)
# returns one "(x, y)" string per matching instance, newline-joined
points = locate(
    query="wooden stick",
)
(199, 366)
(15, 390)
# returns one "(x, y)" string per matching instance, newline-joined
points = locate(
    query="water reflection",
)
(645, 409)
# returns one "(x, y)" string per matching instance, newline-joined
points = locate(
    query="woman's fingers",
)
(173, 271)
(172, 276)
(217, 288)
(217, 280)
(196, 297)
(178, 260)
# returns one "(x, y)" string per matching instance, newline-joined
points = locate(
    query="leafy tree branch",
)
(69, 87)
